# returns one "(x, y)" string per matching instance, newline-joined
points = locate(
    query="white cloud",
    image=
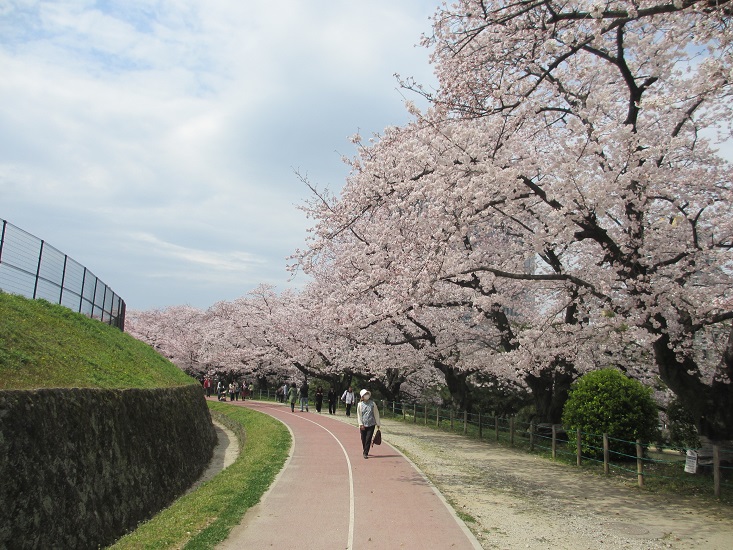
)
(183, 121)
(231, 261)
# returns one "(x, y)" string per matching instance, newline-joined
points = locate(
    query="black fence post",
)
(38, 271)
(2, 240)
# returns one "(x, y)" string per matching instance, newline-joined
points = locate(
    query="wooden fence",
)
(556, 441)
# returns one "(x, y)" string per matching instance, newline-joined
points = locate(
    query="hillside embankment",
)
(97, 431)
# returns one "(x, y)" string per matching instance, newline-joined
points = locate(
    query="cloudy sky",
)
(156, 141)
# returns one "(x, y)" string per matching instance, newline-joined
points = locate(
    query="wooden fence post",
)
(606, 454)
(511, 431)
(578, 449)
(639, 463)
(465, 422)
(531, 436)
(437, 416)
(426, 414)
(496, 427)
(452, 419)
(479, 425)
(554, 441)
(716, 470)
(414, 413)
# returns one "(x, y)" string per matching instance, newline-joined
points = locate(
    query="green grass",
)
(204, 518)
(43, 345)
(466, 518)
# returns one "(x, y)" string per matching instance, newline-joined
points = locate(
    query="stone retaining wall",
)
(81, 467)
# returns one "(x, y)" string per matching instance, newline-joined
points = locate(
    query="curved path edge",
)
(325, 483)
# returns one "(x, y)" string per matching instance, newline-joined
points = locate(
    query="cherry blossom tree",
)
(566, 172)
(176, 332)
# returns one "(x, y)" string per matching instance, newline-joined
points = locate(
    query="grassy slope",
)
(43, 345)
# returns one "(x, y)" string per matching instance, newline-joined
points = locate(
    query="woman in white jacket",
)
(348, 398)
(367, 415)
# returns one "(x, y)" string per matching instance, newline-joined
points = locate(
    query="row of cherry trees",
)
(558, 208)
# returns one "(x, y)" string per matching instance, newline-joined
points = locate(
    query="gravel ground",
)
(511, 499)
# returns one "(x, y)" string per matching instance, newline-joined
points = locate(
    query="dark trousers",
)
(331, 406)
(348, 409)
(366, 438)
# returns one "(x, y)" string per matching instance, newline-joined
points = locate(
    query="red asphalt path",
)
(329, 497)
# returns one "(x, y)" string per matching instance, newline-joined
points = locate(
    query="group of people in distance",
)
(367, 412)
(292, 394)
(232, 390)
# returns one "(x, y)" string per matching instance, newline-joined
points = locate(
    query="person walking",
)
(285, 392)
(207, 386)
(304, 396)
(319, 399)
(367, 415)
(331, 400)
(293, 396)
(348, 398)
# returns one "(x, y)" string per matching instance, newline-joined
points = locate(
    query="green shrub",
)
(606, 401)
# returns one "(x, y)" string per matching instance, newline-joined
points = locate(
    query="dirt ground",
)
(511, 499)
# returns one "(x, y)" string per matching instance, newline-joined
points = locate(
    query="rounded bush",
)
(607, 402)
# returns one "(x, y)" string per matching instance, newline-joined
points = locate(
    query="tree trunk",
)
(346, 381)
(457, 384)
(390, 388)
(711, 405)
(550, 391)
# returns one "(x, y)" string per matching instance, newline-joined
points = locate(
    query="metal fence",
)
(31, 267)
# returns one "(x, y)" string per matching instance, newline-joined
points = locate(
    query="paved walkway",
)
(329, 497)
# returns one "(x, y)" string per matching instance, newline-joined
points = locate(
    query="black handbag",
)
(377, 438)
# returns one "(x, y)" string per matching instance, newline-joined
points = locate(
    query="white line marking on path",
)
(350, 543)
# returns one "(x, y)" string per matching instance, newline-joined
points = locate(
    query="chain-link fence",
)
(31, 267)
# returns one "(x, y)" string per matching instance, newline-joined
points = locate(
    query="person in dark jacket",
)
(293, 396)
(319, 399)
(304, 396)
(332, 401)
